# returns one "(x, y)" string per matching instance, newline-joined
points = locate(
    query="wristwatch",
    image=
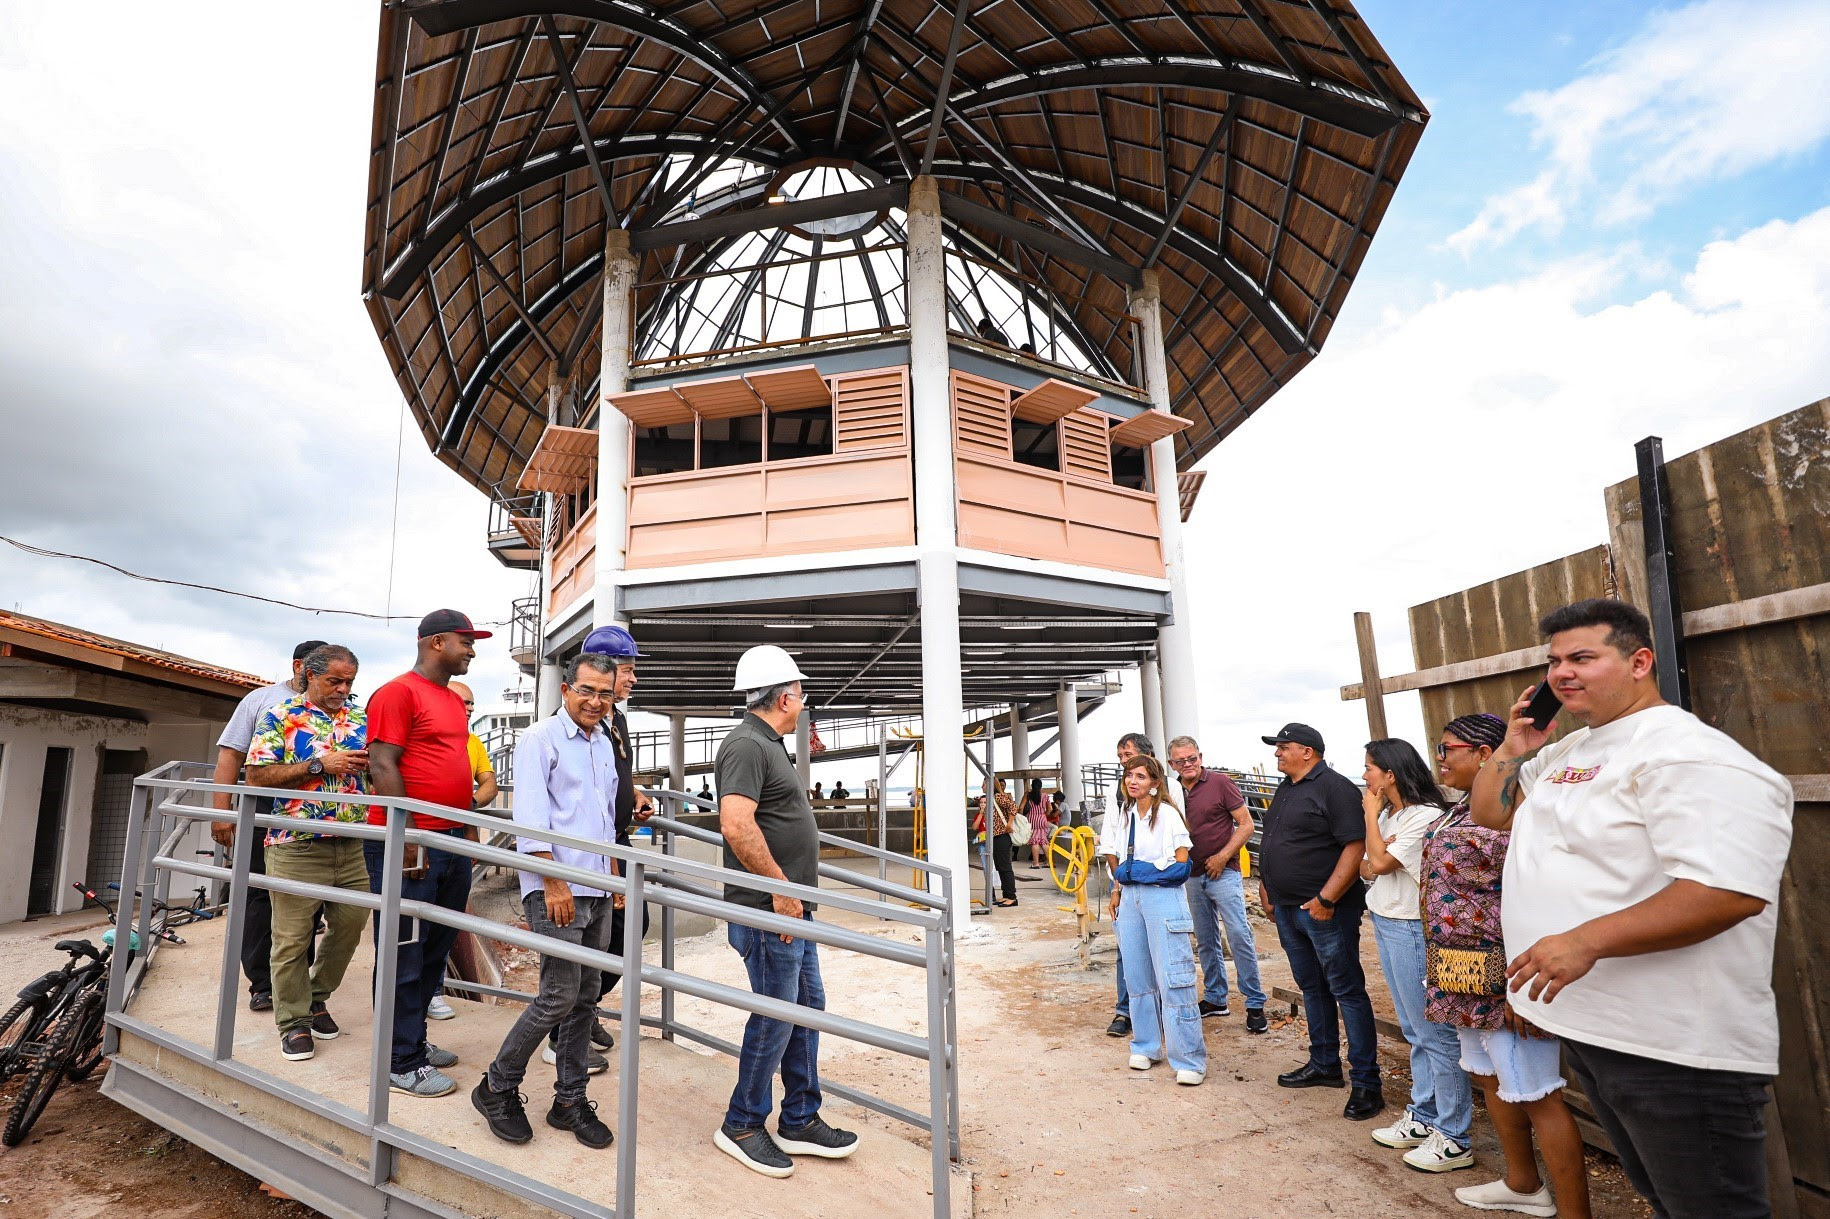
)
(1326, 904)
(315, 766)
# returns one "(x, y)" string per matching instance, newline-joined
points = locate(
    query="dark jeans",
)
(1000, 858)
(1325, 961)
(790, 972)
(1693, 1141)
(257, 932)
(566, 1002)
(420, 961)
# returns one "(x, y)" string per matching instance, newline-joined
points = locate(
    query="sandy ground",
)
(1054, 1123)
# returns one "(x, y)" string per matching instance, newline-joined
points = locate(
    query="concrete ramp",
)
(302, 1126)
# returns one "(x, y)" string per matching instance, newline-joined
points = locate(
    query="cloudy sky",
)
(1618, 224)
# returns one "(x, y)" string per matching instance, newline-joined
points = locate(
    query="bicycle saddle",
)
(77, 948)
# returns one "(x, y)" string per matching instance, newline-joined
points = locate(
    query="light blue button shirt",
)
(565, 780)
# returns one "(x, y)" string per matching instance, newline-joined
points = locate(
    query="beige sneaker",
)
(1495, 1196)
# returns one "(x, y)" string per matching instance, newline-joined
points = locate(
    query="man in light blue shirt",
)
(565, 781)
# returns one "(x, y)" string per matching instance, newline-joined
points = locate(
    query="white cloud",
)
(1470, 438)
(1698, 94)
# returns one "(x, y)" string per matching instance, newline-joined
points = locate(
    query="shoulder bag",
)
(1134, 871)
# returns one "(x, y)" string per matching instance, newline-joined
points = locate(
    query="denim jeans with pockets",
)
(1157, 936)
(419, 957)
(1441, 1096)
(567, 1001)
(1325, 962)
(789, 972)
(1216, 902)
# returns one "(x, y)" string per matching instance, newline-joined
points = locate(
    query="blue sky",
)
(1617, 223)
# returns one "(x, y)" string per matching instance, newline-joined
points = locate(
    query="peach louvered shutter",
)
(1086, 449)
(870, 410)
(981, 415)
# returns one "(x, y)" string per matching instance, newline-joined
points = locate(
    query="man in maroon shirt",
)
(1220, 824)
(419, 747)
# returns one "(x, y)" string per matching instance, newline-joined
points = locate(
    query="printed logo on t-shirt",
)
(1575, 774)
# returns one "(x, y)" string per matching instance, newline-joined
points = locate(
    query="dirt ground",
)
(1054, 1123)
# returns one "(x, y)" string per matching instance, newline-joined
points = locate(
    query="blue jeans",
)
(420, 961)
(1325, 961)
(1217, 901)
(566, 1004)
(1157, 937)
(1123, 1006)
(1441, 1096)
(791, 973)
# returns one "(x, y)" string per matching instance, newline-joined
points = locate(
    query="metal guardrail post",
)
(952, 998)
(939, 1109)
(138, 810)
(883, 810)
(629, 1065)
(240, 867)
(387, 965)
(669, 848)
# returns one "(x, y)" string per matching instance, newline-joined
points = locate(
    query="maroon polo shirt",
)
(1209, 807)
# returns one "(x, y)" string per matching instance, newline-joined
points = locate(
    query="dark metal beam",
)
(1283, 212)
(865, 21)
(514, 299)
(946, 83)
(769, 216)
(1194, 179)
(551, 29)
(964, 211)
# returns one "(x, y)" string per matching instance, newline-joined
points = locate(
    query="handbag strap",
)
(1131, 834)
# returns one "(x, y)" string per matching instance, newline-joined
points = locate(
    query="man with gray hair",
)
(769, 831)
(315, 742)
(1221, 825)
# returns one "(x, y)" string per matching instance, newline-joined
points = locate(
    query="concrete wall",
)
(25, 734)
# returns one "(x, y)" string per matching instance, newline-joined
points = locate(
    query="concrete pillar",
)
(1152, 690)
(676, 752)
(803, 753)
(1019, 740)
(613, 431)
(1065, 705)
(1175, 638)
(943, 711)
(546, 690)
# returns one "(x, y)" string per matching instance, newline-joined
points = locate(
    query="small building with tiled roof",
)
(80, 715)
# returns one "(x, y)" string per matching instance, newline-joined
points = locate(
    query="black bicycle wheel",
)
(21, 1022)
(86, 1054)
(49, 1072)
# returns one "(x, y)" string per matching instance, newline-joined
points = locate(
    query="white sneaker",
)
(1190, 1079)
(1496, 1196)
(1439, 1153)
(438, 1009)
(1140, 1063)
(1407, 1131)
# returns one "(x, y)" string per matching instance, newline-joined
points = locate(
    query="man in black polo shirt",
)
(1309, 881)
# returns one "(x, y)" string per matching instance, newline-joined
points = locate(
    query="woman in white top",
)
(1147, 845)
(1402, 803)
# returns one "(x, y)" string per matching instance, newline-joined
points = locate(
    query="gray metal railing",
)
(167, 801)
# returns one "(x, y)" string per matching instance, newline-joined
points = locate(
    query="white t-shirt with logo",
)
(1611, 816)
(1396, 894)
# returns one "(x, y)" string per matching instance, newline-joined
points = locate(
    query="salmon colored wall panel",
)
(890, 523)
(695, 497)
(838, 484)
(1118, 551)
(574, 563)
(1112, 508)
(1011, 486)
(1013, 533)
(665, 545)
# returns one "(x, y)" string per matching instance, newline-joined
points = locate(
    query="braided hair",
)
(1477, 730)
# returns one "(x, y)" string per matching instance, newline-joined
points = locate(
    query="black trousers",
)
(1693, 1141)
(616, 946)
(257, 932)
(1000, 858)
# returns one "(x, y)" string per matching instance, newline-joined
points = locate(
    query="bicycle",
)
(171, 916)
(60, 1019)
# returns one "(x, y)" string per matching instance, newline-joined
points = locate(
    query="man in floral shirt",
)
(314, 742)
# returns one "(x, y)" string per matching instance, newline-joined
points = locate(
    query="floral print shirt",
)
(298, 730)
(1462, 867)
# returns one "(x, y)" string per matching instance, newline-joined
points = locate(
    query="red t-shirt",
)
(430, 725)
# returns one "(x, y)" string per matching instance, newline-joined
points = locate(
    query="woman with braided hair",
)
(1516, 1067)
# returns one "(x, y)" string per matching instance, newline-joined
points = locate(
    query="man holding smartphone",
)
(1640, 909)
(419, 747)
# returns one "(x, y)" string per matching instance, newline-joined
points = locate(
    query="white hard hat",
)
(766, 665)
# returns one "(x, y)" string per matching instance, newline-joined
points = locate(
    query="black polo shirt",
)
(753, 762)
(1308, 824)
(625, 779)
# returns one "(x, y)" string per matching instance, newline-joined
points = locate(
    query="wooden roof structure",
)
(1245, 149)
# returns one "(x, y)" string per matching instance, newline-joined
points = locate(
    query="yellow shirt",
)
(479, 760)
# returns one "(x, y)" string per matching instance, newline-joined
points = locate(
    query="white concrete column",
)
(613, 432)
(546, 691)
(1152, 691)
(1066, 702)
(1019, 740)
(943, 711)
(803, 753)
(676, 752)
(1175, 638)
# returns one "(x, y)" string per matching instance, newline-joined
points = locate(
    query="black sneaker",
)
(1255, 1021)
(1210, 1010)
(581, 1119)
(752, 1147)
(600, 1036)
(816, 1138)
(1120, 1027)
(504, 1111)
(322, 1026)
(260, 1001)
(297, 1045)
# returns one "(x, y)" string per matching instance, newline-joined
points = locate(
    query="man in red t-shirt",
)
(419, 738)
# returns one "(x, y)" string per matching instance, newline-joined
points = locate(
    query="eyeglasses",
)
(589, 695)
(1442, 751)
(1185, 763)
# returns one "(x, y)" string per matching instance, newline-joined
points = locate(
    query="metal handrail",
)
(175, 796)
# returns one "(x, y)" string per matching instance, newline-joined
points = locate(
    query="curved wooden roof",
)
(1247, 149)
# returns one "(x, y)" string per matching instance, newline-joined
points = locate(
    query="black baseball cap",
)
(307, 648)
(439, 622)
(1297, 734)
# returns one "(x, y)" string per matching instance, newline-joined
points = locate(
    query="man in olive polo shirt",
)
(769, 830)
(1309, 882)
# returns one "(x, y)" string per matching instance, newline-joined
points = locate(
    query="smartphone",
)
(1543, 707)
